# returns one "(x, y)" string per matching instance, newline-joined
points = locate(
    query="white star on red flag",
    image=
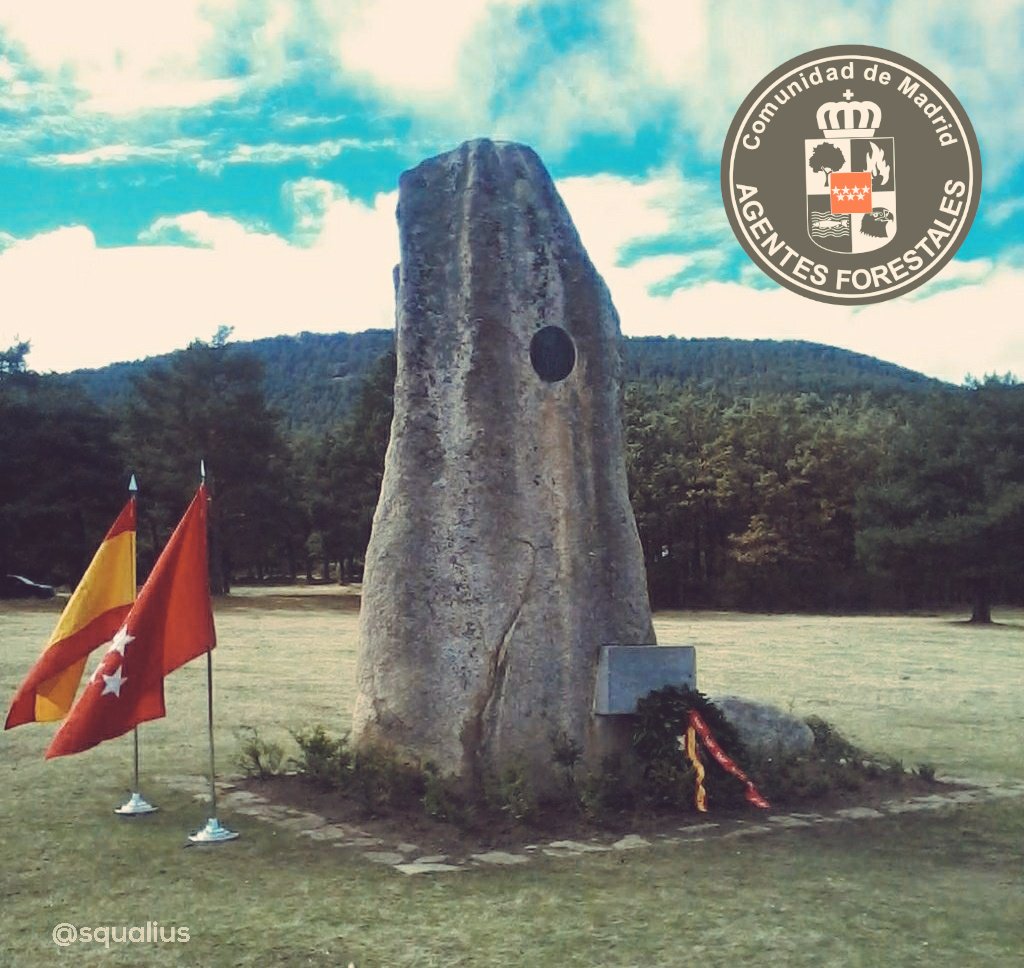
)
(120, 640)
(112, 684)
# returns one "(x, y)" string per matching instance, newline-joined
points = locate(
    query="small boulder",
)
(765, 730)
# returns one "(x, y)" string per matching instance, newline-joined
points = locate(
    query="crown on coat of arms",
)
(849, 119)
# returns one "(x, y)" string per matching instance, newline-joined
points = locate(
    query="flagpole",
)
(136, 805)
(213, 832)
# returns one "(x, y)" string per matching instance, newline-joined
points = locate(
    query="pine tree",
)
(207, 403)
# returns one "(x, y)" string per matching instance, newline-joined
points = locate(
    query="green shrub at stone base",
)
(512, 792)
(926, 772)
(566, 754)
(381, 782)
(257, 757)
(444, 798)
(375, 777)
(610, 791)
(323, 759)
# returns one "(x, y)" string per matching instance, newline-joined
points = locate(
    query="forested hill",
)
(313, 379)
(766, 366)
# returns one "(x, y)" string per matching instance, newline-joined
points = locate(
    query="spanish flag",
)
(94, 613)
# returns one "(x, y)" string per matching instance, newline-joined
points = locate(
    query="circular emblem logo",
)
(851, 174)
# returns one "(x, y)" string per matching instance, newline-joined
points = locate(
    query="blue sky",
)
(168, 168)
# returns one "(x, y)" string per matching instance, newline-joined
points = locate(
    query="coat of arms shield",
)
(851, 192)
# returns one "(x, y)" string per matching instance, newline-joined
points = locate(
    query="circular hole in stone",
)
(552, 353)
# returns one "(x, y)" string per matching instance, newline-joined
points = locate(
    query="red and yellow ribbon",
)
(697, 727)
(689, 744)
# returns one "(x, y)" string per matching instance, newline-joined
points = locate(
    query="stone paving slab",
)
(418, 868)
(859, 813)
(499, 857)
(326, 833)
(391, 858)
(397, 856)
(236, 797)
(694, 829)
(788, 820)
(577, 846)
(303, 822)
(631, 842)
(753, 830)
(359, 843)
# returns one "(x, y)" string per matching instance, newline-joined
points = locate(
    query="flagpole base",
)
(136, 806)
(213, 833)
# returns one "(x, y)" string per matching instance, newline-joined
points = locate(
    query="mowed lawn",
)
(936, 889)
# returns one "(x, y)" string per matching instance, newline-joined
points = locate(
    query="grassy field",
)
(941, 889)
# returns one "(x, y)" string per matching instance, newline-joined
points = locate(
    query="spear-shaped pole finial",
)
(202, 471)
(133, 486)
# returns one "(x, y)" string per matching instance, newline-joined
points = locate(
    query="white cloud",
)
(411, 51)
(309, 199)
(131, 97)
(101, 155)
(206, 156)
(120, 154)
(586, 90)
(406, 48)
(632, 230)
(202, 230)
(276, 153)
(56, 33)
(610, 211)
(970, 329)
(943, 330)
(278, 22)
(930, 333)
(122, 55)
(672, 39)
(307, 120)
(83, 305)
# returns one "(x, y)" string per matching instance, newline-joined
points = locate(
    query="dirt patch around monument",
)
(493, 830)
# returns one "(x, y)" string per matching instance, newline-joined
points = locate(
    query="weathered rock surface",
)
(504, 550)
(764, 729)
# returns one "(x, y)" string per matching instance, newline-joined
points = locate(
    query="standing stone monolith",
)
(504, 550)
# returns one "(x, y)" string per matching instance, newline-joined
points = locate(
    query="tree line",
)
(748, 493)
(793, 501)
